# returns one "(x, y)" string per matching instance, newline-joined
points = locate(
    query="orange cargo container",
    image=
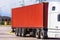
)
(33, 16)
(29, 16)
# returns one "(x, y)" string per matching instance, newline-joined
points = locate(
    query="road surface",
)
(5, 34)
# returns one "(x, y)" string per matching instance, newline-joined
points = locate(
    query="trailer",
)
(40, 20)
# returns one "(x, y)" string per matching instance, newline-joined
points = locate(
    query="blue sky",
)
(7, 5)
(5, 8)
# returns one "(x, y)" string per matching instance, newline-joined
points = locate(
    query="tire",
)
(42, 34)
(17, 32)
(23, 32)
(20, 32)
(36, 34)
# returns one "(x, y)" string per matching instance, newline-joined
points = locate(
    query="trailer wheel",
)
(36, 34)
(17, 32)
(23, 32)
(20, 31)
(42, 34)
